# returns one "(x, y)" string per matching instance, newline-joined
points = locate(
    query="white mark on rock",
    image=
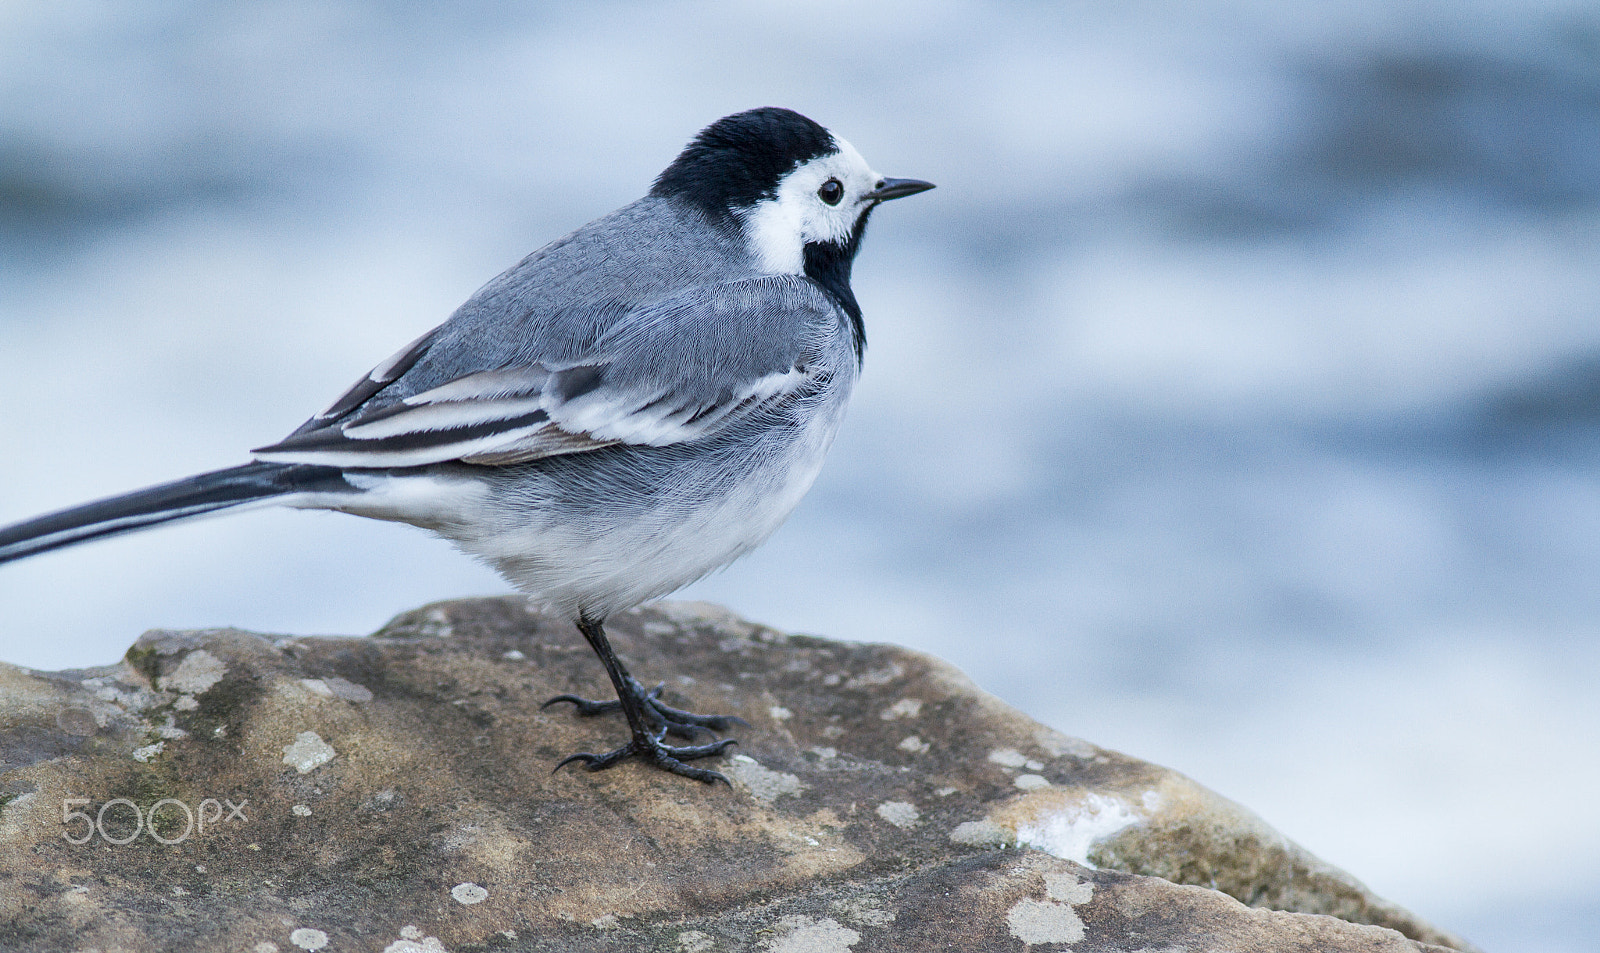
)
(780, 713)
(186, 703)
(763, 783)
(317, 686)
(300, 810)
(198, 671)
(1031, 782)
(132, 699)
(469, 893)
(436, 622)
(1033, 765)
(904, 708)
(881, 676)
(1034, 921)
(606, 922)
(1058, 744)
(899, 813)
(143, 755)
(410, 933)
(984, 833)
(813, 935)
(914, 745)
(308, 939)
(1052, 920)
(265, 947)
(308, 752)
(1071, 833)
(1067, 888)
(464, 837)
(825, 753)
(693, 941)
(348, 690)
(1008, 757)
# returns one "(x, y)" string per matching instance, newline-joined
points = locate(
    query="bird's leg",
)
(648, 719)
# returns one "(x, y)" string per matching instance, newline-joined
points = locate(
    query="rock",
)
(221, 790)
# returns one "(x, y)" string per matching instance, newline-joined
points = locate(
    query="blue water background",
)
(1234, 401)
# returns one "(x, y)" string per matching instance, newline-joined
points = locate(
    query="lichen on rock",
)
(395, 792)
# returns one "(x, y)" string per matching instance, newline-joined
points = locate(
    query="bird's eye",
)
(831, 192)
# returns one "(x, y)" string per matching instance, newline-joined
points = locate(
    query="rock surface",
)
(394, 793)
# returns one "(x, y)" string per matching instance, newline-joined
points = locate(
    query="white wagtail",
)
(623, 411)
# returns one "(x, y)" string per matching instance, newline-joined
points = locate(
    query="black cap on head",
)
(738, 160)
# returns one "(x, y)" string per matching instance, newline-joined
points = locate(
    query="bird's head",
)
(800, 194)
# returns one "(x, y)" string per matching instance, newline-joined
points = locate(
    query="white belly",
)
(608, 555)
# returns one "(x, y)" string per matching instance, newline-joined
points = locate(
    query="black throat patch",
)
(828, 264)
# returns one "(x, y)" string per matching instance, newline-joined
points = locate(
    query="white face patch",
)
(779, 228)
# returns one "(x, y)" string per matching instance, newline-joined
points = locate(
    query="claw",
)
(653, 752)
(705, 722)
(583, 756)
(663, 718)
(585, 707)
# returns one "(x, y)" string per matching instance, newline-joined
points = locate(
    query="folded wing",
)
(679, 369)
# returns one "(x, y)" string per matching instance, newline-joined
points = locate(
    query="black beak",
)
(896, 189)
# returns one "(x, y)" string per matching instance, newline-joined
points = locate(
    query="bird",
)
(623, 411)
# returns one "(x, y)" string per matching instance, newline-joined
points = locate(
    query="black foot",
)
(663, 719)
(648, 720)
(652, 751)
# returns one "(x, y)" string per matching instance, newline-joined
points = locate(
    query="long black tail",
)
(180, 499)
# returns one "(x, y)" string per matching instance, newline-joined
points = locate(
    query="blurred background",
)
(1234, 402)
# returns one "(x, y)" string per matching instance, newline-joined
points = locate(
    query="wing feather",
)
(678, 370)
(376, 380)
